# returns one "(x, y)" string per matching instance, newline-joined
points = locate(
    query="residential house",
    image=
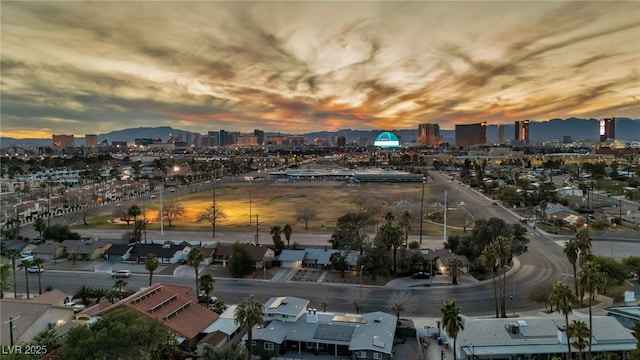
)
(34, 315)
(118, 252)
(540, 338)
(290, 327)
(291, 258)
(48, 251)
(175, 308)
(262, 255)
(318, 258)
(167, 253)
(85, 249)
(560, 214)
(628, 313)
(222, 331)
(440, 257)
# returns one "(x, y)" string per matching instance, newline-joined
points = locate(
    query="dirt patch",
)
(312, 275)
(353, 277)
(219, 271)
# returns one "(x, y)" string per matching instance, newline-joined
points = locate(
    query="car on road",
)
(36, 269)
(121, 274)
(420, 275)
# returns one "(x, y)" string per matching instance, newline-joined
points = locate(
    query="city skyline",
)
(85, 68)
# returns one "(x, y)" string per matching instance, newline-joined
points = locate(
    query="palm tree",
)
(405, 222)
(561, 297)
(489, 256)
(454, 264)
(275, 232)
(38, 261)
(248, 314)
(134, 211)
(452, 321)
(84, 293)
(287, 230)
(119, 284)
(13, 254)
(25, 265)
(591, 280)
(583, 242)
(502, 249)
(4, 278)
(194, 258)
(571, 252)
(40, 225)
(151, 264)
(577, 333)
(388, 217)
(206, 284)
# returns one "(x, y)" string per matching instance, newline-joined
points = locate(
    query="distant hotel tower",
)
(429, 134)
(522, 132)
(471, 134)
(61, 141)
(91, 140)
(500, 134)
(607, 129)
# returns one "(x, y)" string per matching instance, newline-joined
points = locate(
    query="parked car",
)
(36, 269)
(122, 274)
(203, 299)
(76, 307)
(420, 275)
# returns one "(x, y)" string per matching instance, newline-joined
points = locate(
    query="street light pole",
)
(445, 215)
(213, 208)
(361, 268)
(422, 209)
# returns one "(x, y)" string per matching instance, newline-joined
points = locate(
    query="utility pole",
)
(161, 214)
(213, 208)
(445, 215)
(257, 232)
(12, 329)
(422, 209)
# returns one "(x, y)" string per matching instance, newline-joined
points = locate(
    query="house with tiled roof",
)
(262, 255)
(48, 251)
(175, 308)
(290, 328)
(85, 249)
(34, 315)
(167, 253)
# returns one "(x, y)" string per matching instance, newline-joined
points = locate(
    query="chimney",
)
(312, 317)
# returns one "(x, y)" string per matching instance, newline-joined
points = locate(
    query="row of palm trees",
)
(277, 232)
(14, 255)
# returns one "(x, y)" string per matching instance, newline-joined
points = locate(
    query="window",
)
(377, 356)
(361, 354)
(253, 343)
(268, 346)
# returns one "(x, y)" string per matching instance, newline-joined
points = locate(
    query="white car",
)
(36, 269)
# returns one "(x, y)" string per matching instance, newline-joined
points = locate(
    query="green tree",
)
(613, 270)
(134, 212)
(194, 258)
(233, 351)
(151, 264)
(406, 220)
(583, 242)
(249, 313)
(138, 337)
(206, 285)
(25, 265)
(40, 226)
(591, 280)
(47, 339)
(60, 232)
(454, 265)
(541, 295)
(84, 294)
(5, 269)
(577, 334)
(241, 262)
(38, 261)
(452, 321)
(632, 264)
(503, 253)
(219, 307)
(287, 230)
(339, 262)
(212, 214)
(350, 231)
(390, 236)
(561, 298)
(13, 255)
(119, 284)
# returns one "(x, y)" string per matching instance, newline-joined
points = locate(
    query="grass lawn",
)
(279, 203)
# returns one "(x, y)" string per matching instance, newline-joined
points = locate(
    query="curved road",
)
(542, 264)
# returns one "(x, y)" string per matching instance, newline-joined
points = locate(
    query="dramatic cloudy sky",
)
(77, 68)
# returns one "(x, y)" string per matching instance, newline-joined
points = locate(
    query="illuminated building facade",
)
(91, 140)
(607, 129)
(522, 132)
(429, 134)
(61, 141)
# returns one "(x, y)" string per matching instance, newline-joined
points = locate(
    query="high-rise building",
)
(188, 140)
(224, 138)
(471, 134)
(196, 140)
(522, 132)
(429, 134)
(91, 140)
(247, 140)
(500, 134)
(607, 129)
(61, 141)
(259, 135)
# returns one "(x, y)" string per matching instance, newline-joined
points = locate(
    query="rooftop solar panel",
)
(333, 332)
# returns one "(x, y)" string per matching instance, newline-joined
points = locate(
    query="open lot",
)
(279, 203)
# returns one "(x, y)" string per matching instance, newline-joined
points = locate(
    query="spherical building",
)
(387, 140)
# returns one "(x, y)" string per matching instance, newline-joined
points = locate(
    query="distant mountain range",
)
(555, 129)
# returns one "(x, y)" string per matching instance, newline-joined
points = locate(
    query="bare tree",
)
(357, 296)
(212, 214)
(173, 211)
(306, 214)
(401, 302)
